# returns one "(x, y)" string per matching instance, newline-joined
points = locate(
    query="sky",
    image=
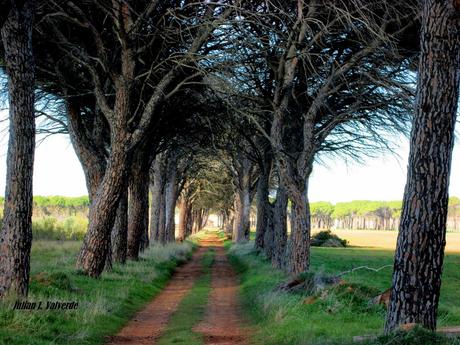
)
(57, 171)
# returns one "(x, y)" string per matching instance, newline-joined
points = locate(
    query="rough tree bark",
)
(185, 209)
(89, 148)
(294, 154)
(196, 220)
(294, 172)
(170, 198)
(244, 192)
(242, 207)
(228, 224)
(16, 232)
(138, 204)
(269, 237)
(93, 252)
(158, 202)
(299, 239)
(279, 223)
(420, 249)
(189, 223)
(263, 203)
(186, 197)
(119, 238)
(102, 215)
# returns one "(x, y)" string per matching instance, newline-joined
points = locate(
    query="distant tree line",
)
(56, 206)
(370, 215)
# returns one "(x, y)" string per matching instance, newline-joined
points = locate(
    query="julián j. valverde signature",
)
(45, 305)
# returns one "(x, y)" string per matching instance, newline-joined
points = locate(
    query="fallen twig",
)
(364, 267)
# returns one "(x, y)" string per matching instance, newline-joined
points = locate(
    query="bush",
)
(327, 239)
(50, 228)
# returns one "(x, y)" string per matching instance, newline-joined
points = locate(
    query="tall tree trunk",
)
(102, 214)
(197, 214)
(242, 209)
(138, 204)
(162, 219)
(263, 207)
(170, 198)
(91, 155)
(190, 222)
(120, 230)
(299, 240)
(204, 219)
(279, 223)
(269, 234)
(237, 232)
(184, 213)
(230, 221)
(16, 232)
(158, 201)
(420, 249)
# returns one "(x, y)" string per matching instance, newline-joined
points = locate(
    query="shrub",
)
(327, 239)
(50, 228)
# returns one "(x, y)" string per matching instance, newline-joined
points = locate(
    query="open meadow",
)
(339, 312)
(387, 239)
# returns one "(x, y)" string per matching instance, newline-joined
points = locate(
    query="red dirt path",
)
(222, 324)
(148, 324)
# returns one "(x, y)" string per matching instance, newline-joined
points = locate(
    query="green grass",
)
(105, 304)
(191, 309)
(336, 314)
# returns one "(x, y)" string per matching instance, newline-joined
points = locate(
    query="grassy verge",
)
(191, 309)
(336, 314)
(104, 304)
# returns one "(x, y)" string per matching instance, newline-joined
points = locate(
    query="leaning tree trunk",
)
(138, 205)
(420, 249)
(119, 239)
(16, 232)
(279, 223)
(102, 214)
(90, 155)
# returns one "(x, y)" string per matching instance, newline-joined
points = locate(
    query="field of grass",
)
(104, 304)
(387, 239)
(334, 315)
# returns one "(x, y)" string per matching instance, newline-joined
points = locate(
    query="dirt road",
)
(222, 322)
